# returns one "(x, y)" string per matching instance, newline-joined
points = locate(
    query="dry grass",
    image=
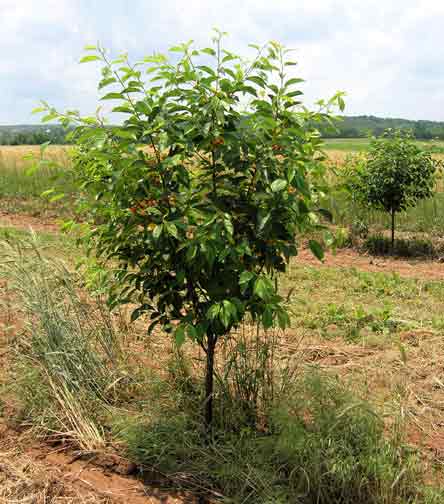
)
(23, 480)
(14, 156)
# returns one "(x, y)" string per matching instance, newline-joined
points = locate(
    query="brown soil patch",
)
(26, 222)
(34, 472)
(347, 258)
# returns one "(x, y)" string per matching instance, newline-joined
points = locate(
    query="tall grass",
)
(68, 355)
(21, 185)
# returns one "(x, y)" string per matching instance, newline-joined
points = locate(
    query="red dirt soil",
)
(96, 476)
(26, 222)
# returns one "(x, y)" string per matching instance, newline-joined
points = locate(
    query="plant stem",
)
(209, 381)
(393, 231)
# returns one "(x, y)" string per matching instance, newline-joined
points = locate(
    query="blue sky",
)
(386, 55)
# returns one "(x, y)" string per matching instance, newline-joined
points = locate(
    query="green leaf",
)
(49, 117)
(191, 252)
(245, 277)
(171, 229)
(192, 332)
(267, 317)
(213, 311)
(263, 288)
(263, 219)
(179, 335)
(207, 69)
(316, 249)
(137, 313)
(91, 57)
(29, 172)
(291, 82)
(47, 193)
(56, 197)
(208, 50)
(228, 225)
(113, 96)
(157, 231)
(227, 314)
(294, 93)
(106, 82)
(283, 319)
(278, 185)
(257, 80)
(124, 109)
(178, 48)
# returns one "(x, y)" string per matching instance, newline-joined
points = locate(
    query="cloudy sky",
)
(386, 55)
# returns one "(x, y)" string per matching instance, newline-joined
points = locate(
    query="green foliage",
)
(200, 193)
(395, 174)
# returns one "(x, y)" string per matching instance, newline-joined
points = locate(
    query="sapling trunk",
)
(209, 381)
(393, 232)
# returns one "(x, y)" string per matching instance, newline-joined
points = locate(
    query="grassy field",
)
(352, 393)
(21, 185)
(362, 145)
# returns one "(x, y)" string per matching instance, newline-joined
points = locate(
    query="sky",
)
(386, 55)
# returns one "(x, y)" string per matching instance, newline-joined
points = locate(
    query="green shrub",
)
(396, 175)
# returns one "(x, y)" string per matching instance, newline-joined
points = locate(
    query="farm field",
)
(374, 323)
(348, 145)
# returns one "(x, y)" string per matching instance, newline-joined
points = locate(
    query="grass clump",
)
(321, 445)
(67, 370)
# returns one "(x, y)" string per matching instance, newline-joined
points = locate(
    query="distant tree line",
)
(347, 127)
(364, 126)
(32, 135)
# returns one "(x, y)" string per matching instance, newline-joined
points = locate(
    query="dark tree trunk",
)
(393, 231)
(209, 380)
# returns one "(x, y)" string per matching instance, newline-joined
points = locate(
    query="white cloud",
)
(385, 55)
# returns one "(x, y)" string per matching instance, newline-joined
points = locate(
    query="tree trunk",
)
(393, 231)
(209, 380)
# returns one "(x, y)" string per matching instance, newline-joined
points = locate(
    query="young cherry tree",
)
(396, 175)
(200, 194)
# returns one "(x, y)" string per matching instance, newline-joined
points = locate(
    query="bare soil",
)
(349, 258)
(35, 472)
(26, 222)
